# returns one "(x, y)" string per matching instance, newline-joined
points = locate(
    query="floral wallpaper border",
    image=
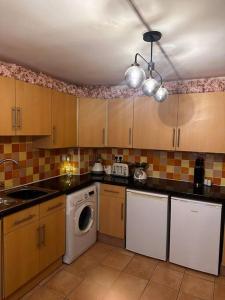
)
(108, 92)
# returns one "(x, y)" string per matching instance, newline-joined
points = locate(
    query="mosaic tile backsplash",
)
(34, 164)
(163, 164)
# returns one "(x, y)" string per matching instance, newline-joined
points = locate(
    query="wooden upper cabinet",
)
(92, 122)
(33, 105)
(201, 122)
(8, 102)
(120, 123)
(155, 123)
(64, 123)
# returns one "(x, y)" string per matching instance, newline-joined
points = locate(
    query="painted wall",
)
(39, 164)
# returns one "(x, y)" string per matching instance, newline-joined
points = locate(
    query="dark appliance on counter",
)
(199, 172)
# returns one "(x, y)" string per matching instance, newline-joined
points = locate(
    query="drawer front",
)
(20, 219)
(51, 206)
(112, 191)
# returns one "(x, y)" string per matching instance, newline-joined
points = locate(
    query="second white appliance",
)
(195, 234)
(146, 228)
(81, 219)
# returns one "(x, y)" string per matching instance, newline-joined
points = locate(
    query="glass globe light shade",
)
(161, 95)
(150, 86)
(134, 76)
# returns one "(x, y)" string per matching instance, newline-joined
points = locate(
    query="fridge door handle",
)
(163, 196)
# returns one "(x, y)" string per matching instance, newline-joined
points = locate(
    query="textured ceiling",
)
(94, 41)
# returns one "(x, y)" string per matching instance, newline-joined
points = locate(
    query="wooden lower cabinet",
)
(112, 211)
(21, 257)
(53, 238)
(33, 239)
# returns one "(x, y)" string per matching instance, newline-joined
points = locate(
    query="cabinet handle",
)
(43, 234)
(18, 118)
(130, 136)
(173, 138)
(109, 191)
(121, 211)
(39, 237)
(28, 218)
(54, 206)
(103, 136)
(178, 138)
(13, 109)
(53, 134)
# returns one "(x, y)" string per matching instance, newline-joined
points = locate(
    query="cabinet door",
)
(120, 123)
(201, 122)
(64, 123)
(111, 221)
(155, 123)
(33, 109)
(21, 257)
(92, 122)
(7, 111)
(52, 238)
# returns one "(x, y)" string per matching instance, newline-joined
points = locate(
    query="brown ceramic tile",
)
(63, 282)
(200, 275)
(156, 291)
(171, 266)
(99, 251)
(197, 287)
(219, 293)
(103, 275)
(82, 265)
(88, 290)
(126, 287)
(42, 293)
(117, 260)
(141, 266)
(183, 296)
(167, 276)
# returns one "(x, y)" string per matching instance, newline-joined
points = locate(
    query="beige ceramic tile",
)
(167, 277)
(183, 296)
(200, 275)
(63, 282)
(42, 293)
(117, 260)
(88, 290)
(197, 287)
(126, 287)
(103, 275)
(156, 291)
(219, 293)
(141, 266)
(171, 266)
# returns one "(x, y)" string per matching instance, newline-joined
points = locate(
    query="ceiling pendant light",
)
(135, 76)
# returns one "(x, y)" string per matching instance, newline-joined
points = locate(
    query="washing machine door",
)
(84, 218)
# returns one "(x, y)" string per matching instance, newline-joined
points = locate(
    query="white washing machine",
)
(81, 220)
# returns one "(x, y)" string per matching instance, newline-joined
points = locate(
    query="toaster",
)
(120, 169)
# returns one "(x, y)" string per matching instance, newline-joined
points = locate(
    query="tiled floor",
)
(109, 273)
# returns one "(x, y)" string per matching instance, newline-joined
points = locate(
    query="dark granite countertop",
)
(67, 185)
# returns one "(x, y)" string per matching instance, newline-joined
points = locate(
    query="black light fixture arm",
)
(151, 65)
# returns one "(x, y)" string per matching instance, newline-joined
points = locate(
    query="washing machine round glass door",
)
(84, 219)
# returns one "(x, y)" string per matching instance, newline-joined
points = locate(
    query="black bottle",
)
(199, 172)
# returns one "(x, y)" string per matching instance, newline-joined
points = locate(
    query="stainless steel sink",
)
(28, 193)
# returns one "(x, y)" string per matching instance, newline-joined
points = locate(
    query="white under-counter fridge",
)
(147, 223)
(195, 234)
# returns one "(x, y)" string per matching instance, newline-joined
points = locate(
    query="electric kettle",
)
(140, 174)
